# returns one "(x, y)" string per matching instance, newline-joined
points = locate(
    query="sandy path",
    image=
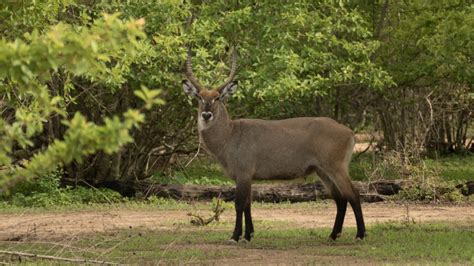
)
(56, 225)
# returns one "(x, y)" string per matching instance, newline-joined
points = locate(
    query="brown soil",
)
(56, 225)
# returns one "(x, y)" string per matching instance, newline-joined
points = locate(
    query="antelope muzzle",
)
(207, 116)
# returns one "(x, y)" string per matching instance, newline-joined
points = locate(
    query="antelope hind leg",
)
(341, 203)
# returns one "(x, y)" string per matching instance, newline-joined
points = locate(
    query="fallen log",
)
(370, 192)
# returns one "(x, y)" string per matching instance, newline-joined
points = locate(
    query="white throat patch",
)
(202, 125)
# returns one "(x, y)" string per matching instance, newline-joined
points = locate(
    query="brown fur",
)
(251, 149)
(209, 94)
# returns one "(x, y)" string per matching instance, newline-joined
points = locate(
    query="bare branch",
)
(39, 256)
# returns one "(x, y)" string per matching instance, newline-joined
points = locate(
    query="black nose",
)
(206, 115)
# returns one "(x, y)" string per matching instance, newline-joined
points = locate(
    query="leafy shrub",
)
(47, 192)
(433, 190)
(48, 184)
(93, 195)
(424, 179)
(43, 70)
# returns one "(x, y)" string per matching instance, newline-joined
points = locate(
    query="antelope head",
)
(209, 99)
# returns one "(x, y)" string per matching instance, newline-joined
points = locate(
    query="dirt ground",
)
(58, 224)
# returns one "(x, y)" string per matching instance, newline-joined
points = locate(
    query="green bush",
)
(47, 192)
(433, 190)
(45, 66)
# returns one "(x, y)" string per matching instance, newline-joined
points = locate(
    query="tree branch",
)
(32, 255)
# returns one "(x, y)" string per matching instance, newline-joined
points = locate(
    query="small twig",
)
(195, 155)
(116, 245)
(39, 256)
(167, 248)
(69, 240)
(408, 213)
(409, 219)
(59, 244)
(366, 149)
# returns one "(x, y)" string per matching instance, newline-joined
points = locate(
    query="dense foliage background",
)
(91, 89)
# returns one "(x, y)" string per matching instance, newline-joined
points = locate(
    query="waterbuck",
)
(254, 149)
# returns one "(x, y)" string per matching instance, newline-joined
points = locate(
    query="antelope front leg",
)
(242, 203)
(248, 221)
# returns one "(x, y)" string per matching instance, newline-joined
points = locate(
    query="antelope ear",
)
(189, 89)
(228, 90)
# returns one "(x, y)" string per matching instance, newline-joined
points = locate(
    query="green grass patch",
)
(154, 203)
(454, 167)
(390, 242)
(202, 171)
(450, 168)
(393, 242)
(364, 167)
(151, 203)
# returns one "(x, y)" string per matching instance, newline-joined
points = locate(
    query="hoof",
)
(331, 241)
(245, 241)
(231, 242)
(335, 236)
(360, 237)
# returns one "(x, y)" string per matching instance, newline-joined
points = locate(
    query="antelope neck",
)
(215, 136)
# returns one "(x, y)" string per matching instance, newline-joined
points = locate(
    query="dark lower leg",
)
(242, 195)
(238, 223)
(248, 223)
(356, 207)
(341, 213)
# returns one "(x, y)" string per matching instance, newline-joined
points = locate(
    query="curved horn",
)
(189, 71)
(233, 70)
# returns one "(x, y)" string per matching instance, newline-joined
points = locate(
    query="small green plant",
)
(470, 198)
(453, 196)
(154, 200)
